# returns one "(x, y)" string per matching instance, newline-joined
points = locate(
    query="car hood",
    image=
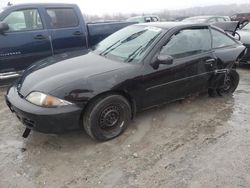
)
(55, 72)
(245, 36)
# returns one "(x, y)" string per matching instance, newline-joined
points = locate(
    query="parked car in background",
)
(179, 18)
(136, 68)
(206, 19)
(245, 39)
(144, 19)
(227, 18)
(30, 32)
(243, 18)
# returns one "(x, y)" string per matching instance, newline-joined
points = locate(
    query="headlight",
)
(44, 100)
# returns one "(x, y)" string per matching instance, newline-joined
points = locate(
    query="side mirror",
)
(3, 27)
(163, 59)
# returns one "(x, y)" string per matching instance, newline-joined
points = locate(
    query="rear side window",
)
(62, 17)
(188, 42)
(221, 40)
(24, 20)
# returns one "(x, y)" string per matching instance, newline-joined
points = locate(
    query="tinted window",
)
(62, 17)
(188, 42)
(221, 40)
(24, 20)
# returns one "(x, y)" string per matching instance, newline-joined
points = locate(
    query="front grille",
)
(28, 122)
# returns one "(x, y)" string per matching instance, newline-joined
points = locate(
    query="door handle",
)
(40, 37)
(210, 61)
(77, 33)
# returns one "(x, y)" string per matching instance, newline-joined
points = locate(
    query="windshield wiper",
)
(131, 37)
(140, 50)
(132, 56)
(107, 50)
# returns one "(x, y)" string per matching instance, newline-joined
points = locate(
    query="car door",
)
(25, 42)
(65, 29)
(193, 62)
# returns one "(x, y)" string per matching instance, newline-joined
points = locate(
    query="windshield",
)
(128, 44)
(246, 27)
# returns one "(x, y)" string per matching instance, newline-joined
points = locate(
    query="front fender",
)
(78, 92)
(83, 90)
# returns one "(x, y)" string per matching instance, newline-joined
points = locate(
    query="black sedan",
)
(136, 68)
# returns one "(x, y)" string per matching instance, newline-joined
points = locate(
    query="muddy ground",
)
(198, 142)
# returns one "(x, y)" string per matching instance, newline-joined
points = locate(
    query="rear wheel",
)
(107, 117)
(231, 83)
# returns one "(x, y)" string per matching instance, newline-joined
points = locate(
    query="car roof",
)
(169, 25)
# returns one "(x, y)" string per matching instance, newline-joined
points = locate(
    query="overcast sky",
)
(129, 6)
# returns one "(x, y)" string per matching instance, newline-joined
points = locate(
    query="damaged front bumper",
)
(46, 120)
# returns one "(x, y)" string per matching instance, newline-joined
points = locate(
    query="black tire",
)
(231, 84)
(107, 117)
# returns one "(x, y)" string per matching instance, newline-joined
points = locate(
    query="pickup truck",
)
(30, 32)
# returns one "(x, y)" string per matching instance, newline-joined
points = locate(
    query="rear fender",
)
(227, 57)
(218, 78)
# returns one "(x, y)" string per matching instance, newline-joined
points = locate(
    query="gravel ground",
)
(197, 142)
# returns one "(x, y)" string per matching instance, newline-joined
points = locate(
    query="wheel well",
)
(122, 93)
(220, 64)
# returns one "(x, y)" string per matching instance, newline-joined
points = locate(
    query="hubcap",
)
(227, 86)
(109, 117)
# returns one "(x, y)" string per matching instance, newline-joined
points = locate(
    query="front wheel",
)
(107, 117)
(231, 83)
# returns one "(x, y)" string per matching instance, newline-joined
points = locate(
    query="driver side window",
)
(24, 20)
(188, 42)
